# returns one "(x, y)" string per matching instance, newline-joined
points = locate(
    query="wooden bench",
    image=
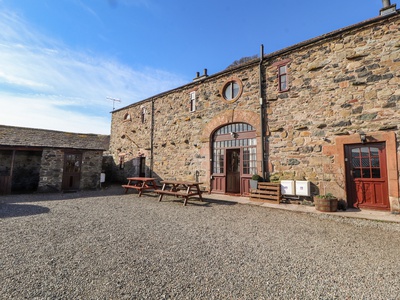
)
(140, 184)
(267, 192)
(136, 187)
(184, 189)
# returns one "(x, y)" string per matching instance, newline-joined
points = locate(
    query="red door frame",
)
(233, 177)
(219, 180)
(366, 176)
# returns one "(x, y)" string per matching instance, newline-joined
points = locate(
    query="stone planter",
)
(326, 204)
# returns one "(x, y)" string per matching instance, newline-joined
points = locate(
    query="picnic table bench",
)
(140, 184)
(184, 189)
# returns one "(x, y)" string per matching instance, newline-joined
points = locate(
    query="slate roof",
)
(11, 136)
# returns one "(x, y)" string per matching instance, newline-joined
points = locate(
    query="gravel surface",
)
(108, 245)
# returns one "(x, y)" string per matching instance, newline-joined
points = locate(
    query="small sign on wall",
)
(302, 188)
(287, 187)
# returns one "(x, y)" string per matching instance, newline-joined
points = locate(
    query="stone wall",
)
(39, 158)
(339, 84)
(51, 170)
(52, 164)
(91, 169)
(181, 138)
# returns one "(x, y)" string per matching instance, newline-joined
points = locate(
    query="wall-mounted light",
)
(363, 136)
(234, 135)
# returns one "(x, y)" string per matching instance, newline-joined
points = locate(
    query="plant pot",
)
(326, 204)
(253, 184)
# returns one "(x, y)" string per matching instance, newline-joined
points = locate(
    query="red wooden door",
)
(366, 174)
(233, 171)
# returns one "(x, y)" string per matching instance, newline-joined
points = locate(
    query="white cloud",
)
(46, 84)
(43, 112)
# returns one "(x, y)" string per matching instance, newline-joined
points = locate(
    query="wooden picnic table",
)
(184, 189)
(140, 184)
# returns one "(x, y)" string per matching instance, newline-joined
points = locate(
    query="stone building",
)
(324, 111)
(45, 160)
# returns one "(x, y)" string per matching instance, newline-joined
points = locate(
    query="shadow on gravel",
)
(21, 210)
(196, 202)
(219, 202)
(112, 190)
(36, 197)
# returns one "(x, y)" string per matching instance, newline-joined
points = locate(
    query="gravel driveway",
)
(108, 245)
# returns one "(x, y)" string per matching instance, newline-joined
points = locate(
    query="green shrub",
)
(257, 177)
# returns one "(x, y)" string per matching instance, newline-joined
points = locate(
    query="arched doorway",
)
(234, 158)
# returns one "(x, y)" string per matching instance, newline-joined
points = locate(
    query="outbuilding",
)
(46, 160)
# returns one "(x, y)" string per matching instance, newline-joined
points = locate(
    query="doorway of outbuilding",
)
(19, 171)
(72, 171)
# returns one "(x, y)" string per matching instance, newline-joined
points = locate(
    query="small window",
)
(121, 161)
(127, 117)
(283, 78)
(192, 101)
(232, 90)
(143, 114)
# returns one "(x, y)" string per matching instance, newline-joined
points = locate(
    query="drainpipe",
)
(262, 111)
(152, 139)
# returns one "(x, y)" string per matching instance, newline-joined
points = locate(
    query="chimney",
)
(198, 77)
(387, 8)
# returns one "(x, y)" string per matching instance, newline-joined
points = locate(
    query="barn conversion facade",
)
(324, 111)
(49, 161)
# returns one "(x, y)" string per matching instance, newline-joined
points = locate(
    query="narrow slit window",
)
(192, 101)
(143, 115)
(283, 78)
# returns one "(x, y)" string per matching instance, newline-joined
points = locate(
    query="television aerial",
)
(114, 100)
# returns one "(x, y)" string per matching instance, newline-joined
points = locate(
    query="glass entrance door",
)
(233, 171)
(234, 161)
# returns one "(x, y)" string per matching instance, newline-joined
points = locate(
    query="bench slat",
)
(266, 191)
(178, 193)
(132, 187)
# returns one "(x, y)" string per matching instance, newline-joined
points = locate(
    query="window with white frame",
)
(193, 101)
(283, 78)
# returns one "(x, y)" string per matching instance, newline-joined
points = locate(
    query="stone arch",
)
(224, 118)
(231, 116)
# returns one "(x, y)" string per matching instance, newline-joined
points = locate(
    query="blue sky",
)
(61, 59)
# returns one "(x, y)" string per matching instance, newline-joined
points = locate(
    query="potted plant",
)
(326, 202)
(255, 179)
